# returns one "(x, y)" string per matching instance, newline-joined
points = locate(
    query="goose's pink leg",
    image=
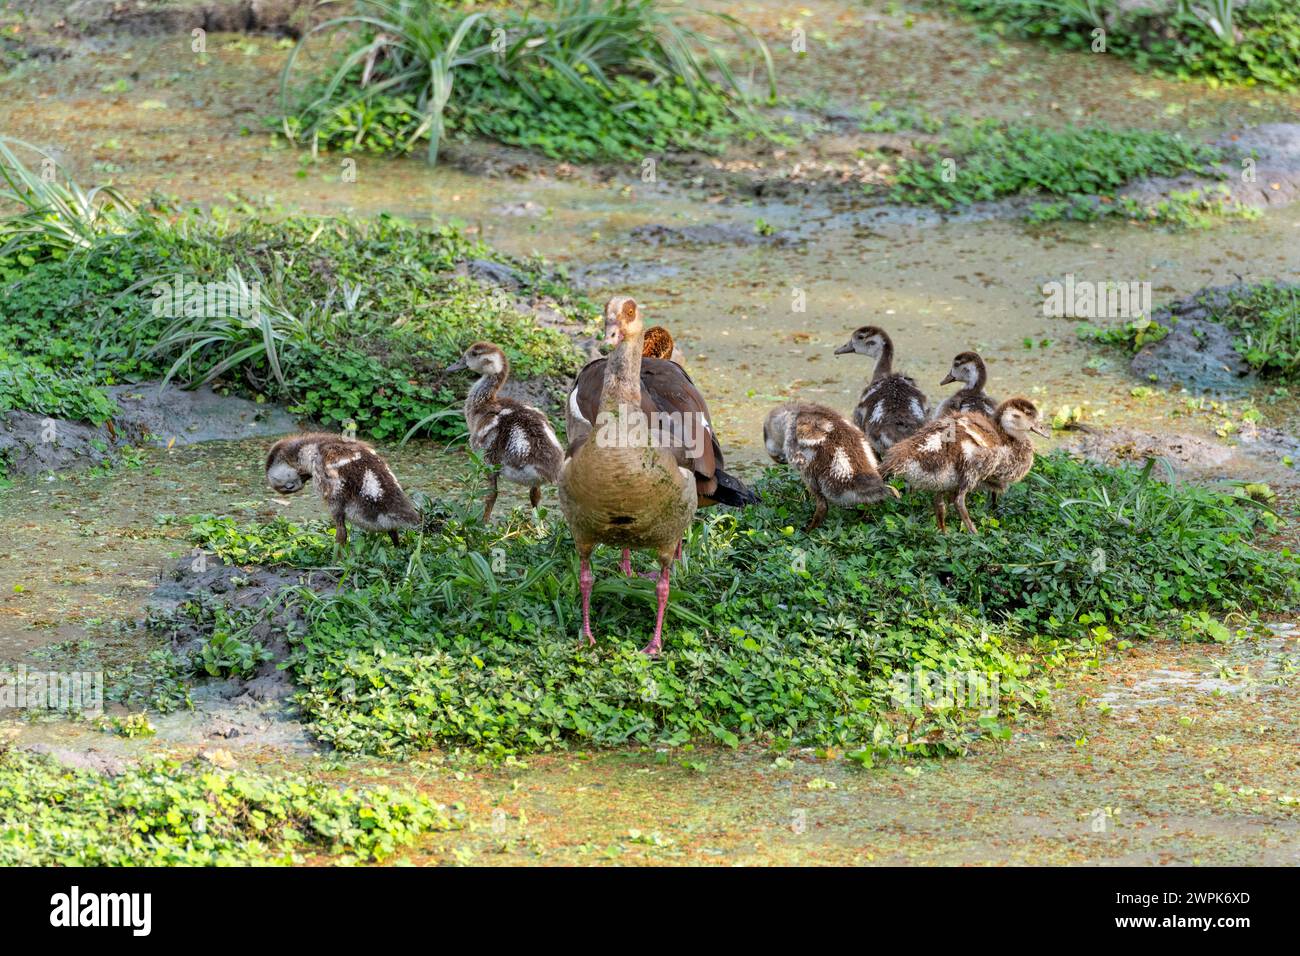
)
(585, 581)
(661, 591)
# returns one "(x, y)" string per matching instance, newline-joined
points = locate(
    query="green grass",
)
(470, 635)
(32, 386)
(1264, 319)
(1179, 43)
(991, 160)
(165, 813)
(355, 321)
(577, 79)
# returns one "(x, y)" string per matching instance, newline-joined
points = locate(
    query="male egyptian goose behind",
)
(659, 344)
(516, 440)
(967, 368)
(891, 407)
(833, 457)
(353, 481)
(618, 485)
(954, 455)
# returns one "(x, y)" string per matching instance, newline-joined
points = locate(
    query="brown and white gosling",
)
(833, 458)
(967, 368)
(891, 407)
(953, 456)
(516, 440)
(354, 482)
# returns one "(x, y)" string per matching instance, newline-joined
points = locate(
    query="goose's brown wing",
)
(672, 391)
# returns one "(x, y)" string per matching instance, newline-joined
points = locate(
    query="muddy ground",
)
(1178, 754)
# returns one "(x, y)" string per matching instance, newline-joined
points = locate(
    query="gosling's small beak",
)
(894, 491)
(844, 349)
(457, 366)
(947, 378)
(1041, 429)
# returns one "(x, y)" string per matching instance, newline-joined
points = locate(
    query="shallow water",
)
(81, 552)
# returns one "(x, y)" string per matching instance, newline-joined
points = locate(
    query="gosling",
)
(834, 459)
(516, 440)
(891, 407)
(955, 455)
(353, 481)
(967, 368)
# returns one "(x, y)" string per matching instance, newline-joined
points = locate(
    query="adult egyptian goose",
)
(967, 368)
(665, 389)
(831, 455)
(619, 485)
(516, 440)
(891, 407)
(353, 481)
(954, 455)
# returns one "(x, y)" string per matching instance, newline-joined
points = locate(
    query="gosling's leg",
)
(392, 534)
(340, 535)
(941, 511)
(585, 580)
(819, 515)
(661, 592)
(491, 498)
(535, 495)
(965, 515)
(995, 499)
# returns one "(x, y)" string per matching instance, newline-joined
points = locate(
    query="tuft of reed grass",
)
(52, 214)
(414, 49)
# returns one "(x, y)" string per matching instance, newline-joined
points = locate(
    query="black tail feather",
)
(732, 491)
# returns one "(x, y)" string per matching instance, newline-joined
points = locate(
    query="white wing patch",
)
(519, 444)
(917, 411)
(370, 486)
(573, 407)
(870, 453)
(877, 412)
(933, 442)
(841, 467)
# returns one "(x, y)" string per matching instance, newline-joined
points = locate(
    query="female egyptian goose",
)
(967, 368)
(833, 457)
(953, 456)
(618, 484)
(891, 406)
(354, 482)
(516, 440)
(668, 391)
(665, 388)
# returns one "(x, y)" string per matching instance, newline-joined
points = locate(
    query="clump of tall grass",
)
(412, 51)
(52, 215)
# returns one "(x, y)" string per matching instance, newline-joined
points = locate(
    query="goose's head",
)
(622, 320)
(868, 340)
(966, 368)
(658, 343)
(775, 429)
(481, 357)
(1019, 416)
